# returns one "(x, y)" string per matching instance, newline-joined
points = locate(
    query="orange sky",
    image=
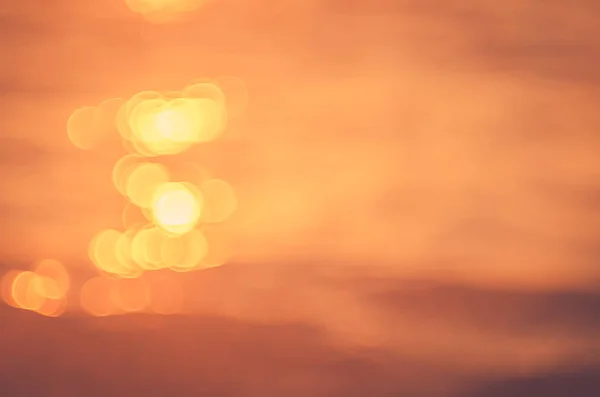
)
(382, 142)
(401, 139)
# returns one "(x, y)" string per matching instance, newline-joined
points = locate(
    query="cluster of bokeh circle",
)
(42, 290)
(171, 208)
(167, 207)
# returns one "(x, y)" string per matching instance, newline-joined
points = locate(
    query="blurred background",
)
(418, 194)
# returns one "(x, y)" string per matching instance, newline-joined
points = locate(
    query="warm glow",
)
(110, 253)
(55, 279)
(6, 287)
(187, 252)
(143, 182)
(177, 208)
(190, 172)
(123, 168)
(153, 249)
(210, 100)
(134, 217)
(105, 115)
(145, 248)
(163, 11)
(125, 257)
(43, 291)
(164, 221)
(124, 113)
(155, 124)
(89, 126)
(204, 88)
(26, 291)
(81, 130)
(53, 307)
(180, 121)
(167, 126)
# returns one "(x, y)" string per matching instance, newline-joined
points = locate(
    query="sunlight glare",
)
(176, 207)
(143, 181)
